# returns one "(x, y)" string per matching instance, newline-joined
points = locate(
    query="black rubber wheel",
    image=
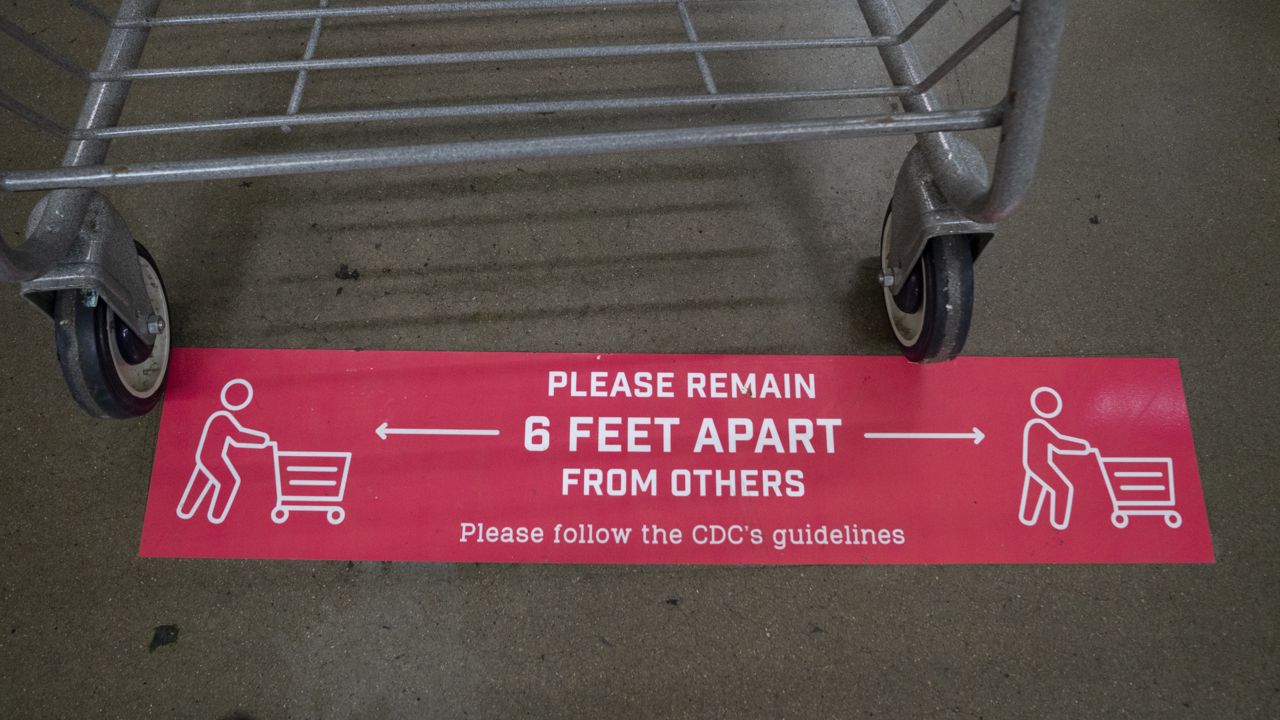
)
(110, 372)
(931, 311)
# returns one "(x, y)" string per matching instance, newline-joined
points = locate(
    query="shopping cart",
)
(310, 481)
(1139, 486)
(80, 264)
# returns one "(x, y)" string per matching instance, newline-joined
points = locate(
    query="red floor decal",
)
(518, 457)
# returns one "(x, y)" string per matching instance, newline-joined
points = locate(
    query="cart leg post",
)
(921, 213)
(927, 250)
(101, 257)
(80, 264)
(961, 172)
(74, 240)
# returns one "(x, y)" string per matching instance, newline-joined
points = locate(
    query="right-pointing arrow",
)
(976, 436)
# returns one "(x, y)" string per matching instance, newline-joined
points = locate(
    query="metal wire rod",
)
(31, 115)
(957, 57)
(300, 85)
(498, 150)
(454, 58)
(691, 32)
(391, 10)
(41, 48)
(405, 9)
(493, 109)
(921, 20)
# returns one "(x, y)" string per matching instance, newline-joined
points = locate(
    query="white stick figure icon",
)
(1041, 441)
(222, 431)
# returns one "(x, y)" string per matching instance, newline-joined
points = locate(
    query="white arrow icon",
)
(976, 436)
(383, 431)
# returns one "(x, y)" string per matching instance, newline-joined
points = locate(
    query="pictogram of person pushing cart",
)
(1135, 485)
(304, 481)
(214, 473)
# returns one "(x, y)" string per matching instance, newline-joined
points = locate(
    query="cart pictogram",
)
(1140, 486)
(310, 481)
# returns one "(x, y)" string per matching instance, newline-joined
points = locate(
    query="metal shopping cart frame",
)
(80, 264)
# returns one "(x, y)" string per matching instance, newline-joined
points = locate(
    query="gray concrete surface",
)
(1151, 231)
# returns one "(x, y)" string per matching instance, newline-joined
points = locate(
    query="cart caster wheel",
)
(279, 515)
(930, 313)
(336, 516)
(110, 372)
(1173, 520)
(1120, 520)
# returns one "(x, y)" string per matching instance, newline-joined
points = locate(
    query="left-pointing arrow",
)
(384, 430)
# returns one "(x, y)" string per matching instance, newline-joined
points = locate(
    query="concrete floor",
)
(1150, 232)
